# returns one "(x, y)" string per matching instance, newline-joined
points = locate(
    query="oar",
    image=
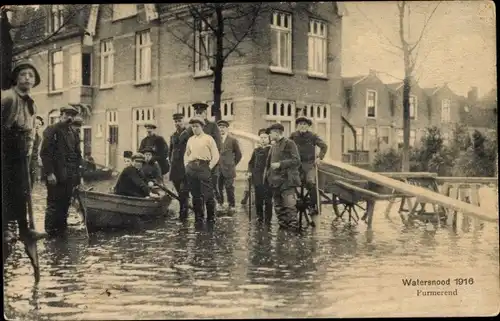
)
(30, 246)
(171, 193)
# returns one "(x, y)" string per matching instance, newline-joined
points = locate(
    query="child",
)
(256, 167)
(127, 157)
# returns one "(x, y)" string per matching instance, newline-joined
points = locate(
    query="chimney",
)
(473, 93)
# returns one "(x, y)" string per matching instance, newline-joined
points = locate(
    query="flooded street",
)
(240, 269)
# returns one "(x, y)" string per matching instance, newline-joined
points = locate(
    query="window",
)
(359, 138)
(317, 47)
(320, 116)
(86, 142)
(141, 116)
(54, 117)
(281, 41)
(75, 68)
(107, 63)
(122, 11)
(384, 134)
(413, 136)
(57, 17)
(87, 69)
(204, 47)
(143, 57)
(56, 75)
(371, 103)
(282, 112)
(445, 110)
(372, 139)
(226, 109)
(413, 107)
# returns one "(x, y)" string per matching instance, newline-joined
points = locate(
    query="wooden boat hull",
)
(110, 211)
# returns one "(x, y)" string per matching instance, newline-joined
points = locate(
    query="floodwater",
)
(239, 269)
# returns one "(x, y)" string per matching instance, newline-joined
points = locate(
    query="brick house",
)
(137, 71)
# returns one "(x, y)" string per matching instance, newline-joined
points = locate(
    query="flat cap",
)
(276, 126)
(178, 116)
(150, 125)
(263, 131)
(223, 123)
(127, 154)
(69, 109)
(200, 106)
(197, 120)
(139, 157)
(22, 64)
(148, 149)
(303, 119)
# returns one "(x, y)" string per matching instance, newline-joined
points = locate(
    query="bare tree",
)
(225, 26)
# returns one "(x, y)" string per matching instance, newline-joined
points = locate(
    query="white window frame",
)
(56, 71)
(140, 117)
(123, 11)
(415, 107)
(75, 78)
(281, 116)
(319, 114)
(56, 17)
(107, 51)
(227, 110)
(384, 128)
(203, 38)
(413, 137)
(278, 21)
(400, 136)
(368, 91)
(445, 110)
(82, 139)
(360, 142)
(143, 50)
(111, 119)
(317, 48)
(371, 137)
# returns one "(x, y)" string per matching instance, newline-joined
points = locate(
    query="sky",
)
(458, 46)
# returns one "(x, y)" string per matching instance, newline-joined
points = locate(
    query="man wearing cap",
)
(200, 158)
(307, 142)
(230, 156)
(61, 158)
(177, 171)
(132, 182)
(34, 165)
(17, 140)
(151, 169)
(282, 174)
(159, 146)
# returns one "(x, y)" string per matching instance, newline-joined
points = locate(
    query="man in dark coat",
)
(151, 169)
(282, 174)
(132, 182)
(17, 140)
(61, 159)
(230, 156)
(307, 142)
(34, 165)
(177, 170)
(256, 168)
(159, 145)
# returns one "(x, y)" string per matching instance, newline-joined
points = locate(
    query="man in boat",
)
(307, 142)
(17, 140)
(210, 128)
(34, 164)
(132, 182)
(282, 174)
(256, 168)
(177, 171)
(200, 158)
(159, 146)
(62, 159)
(151, 171)
(230, 156)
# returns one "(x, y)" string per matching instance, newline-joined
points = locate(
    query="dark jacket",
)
(60, 152)
(131, 182)
(257, 164)
(306, 144)
(287, 175)
(152, 172)
(160, 147)
(177, 149)
(230, 156)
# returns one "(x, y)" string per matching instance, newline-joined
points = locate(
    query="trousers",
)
(199, 182)
(58, 203)
(226, 183)
(308, 178)
(263, 202)
(285, 201)
(183, 192)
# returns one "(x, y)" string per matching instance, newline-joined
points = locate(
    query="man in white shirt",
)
(201, 156)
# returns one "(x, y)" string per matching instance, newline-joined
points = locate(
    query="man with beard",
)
(159, 146)
(61, 159)
(177, 171)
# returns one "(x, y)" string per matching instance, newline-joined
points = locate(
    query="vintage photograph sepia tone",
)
(249, 160)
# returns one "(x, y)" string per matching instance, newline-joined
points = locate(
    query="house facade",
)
(134, 69)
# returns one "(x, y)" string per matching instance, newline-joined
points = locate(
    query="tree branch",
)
(424, 28)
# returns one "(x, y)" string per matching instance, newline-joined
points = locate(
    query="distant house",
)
(479, 113)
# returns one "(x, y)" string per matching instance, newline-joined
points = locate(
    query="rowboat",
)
(111, 211)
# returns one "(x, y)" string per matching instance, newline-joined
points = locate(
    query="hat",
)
(149, 125)
(78, 121)
(40, 119)
(127, 154)
(69, 109)
(200, 106)
(303, 119)
(197, 120)
(148, 149)
(21, 65)
(139, 157)
(178, 116)
(276, 126)
(263, 131)
(223, 123)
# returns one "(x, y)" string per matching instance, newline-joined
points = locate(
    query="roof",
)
(431, 91)
(395, 85)
(349, 81)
